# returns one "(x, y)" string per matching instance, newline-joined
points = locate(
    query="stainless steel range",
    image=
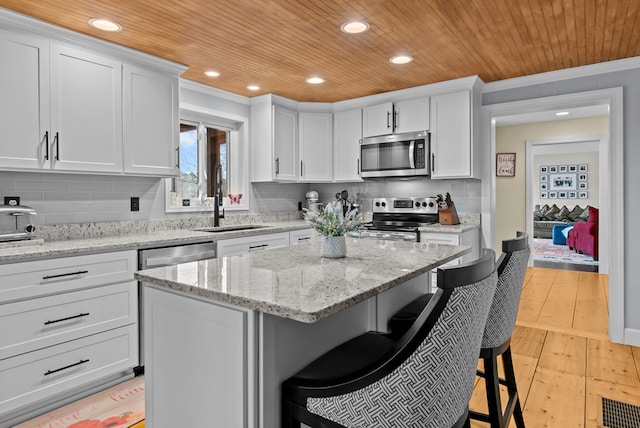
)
(400, 218)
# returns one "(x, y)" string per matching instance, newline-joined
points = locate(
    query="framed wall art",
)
(505, 164)
(562, 181)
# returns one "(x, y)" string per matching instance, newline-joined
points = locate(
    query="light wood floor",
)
(563, 358)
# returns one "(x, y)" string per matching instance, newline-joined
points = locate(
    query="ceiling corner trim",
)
(219, 93)
(565, 74)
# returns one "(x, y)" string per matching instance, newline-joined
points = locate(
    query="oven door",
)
(391, 156)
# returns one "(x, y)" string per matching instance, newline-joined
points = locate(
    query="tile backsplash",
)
(79, 198)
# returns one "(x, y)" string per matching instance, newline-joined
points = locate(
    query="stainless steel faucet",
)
(217, 195)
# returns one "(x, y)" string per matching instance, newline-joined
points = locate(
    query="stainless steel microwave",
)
(398, 155)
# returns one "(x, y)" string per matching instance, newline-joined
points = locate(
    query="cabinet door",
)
(151, 128)
(230, 247)
(316, 148)
(411, 115)
(285, 143)
(86, 111)
(451, 135)
(24, 103)
(377, 120)
(346, 145)
(303, 236)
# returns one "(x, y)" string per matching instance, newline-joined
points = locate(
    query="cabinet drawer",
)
(41, 374)
(229, 247)
(300, 236)
(44, 277)
(38, 323)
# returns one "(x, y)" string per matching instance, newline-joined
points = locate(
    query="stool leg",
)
(493, 391)
(510, 378)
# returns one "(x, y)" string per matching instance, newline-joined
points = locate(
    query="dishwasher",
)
(149, 258)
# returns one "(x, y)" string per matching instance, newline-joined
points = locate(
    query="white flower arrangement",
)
(331, 221)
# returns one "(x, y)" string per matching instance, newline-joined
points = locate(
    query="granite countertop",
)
(38, 249)
(455, 228)
(298, 284)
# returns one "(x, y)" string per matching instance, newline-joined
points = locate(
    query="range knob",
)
(377, 204)
(384, 204)
(424, 204)
(417, 204)
(431, 204)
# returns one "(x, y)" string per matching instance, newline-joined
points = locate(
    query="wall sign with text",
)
(505, 164)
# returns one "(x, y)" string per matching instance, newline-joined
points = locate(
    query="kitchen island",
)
(222, 334)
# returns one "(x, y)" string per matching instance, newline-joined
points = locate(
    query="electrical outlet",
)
(12, 200)
(299, 206)
(135, 203)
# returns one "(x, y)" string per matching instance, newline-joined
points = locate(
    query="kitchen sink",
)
(230, 228)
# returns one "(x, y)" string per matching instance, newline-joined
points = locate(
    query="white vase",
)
(333, 247)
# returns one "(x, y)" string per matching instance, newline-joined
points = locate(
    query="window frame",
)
(237, 153)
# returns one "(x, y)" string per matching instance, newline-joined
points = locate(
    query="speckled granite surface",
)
(298, 284)
(36, 249)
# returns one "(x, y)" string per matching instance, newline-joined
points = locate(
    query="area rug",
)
(121, 406)
(618, 414)
(545, 250)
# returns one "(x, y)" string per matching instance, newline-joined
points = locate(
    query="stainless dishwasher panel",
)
(167, 256)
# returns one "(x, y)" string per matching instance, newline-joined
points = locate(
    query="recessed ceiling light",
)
(401, 59)
(562, 113)
(253, 87)
(314, 80)
(212, 73)
(354, 27)
(105, 24)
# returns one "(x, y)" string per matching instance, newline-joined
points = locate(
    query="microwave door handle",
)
(412, 161)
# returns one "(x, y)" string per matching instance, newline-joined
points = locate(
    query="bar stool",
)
(496, 341)
(423, 379)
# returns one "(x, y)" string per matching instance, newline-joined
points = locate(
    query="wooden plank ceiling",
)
(276, 44)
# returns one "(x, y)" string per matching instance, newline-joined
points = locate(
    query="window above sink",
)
(208, 138)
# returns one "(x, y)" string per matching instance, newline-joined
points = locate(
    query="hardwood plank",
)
(564, 353)
(527, 342)
(636, 356)
(534, 295)
(612, 362)
(591, 313)
(555, 400)
(558, 308)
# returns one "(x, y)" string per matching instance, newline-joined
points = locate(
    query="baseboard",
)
(632, 336)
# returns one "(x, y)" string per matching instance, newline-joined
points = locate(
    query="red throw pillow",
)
(593, 215)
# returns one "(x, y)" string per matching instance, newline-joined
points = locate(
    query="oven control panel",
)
(423, 205)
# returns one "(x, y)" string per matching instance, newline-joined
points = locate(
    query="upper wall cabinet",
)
(63, 107)
(395, 118)
(453, 131)
(151, 128)
(316, 148)
(86, 111)
(24, 104)
(347, 132)
(274, 141)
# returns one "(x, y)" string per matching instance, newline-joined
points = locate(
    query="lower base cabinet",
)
(38, 375)
(212, 362)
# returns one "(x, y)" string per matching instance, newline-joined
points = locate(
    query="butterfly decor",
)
(235, 198)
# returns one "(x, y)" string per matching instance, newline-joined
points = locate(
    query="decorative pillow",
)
(563, 215)
(565, 231)
(551, 213)
(593, 215)
(585, 215)
(575, 213)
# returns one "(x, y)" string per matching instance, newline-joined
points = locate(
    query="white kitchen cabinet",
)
(469, 238)
(302, 236)
(347, 132)
(75, 326)
(213, 362)
(316, 147)
(86, 111)
(274, 141)
(453, 130)
(394, 118)
(151, 122)
(411, 115)
(24, 104)
(246, 244)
